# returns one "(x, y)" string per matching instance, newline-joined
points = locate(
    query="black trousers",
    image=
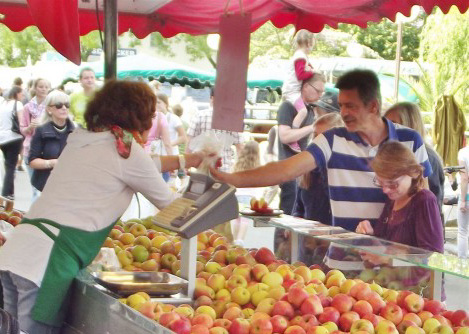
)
(10, 150)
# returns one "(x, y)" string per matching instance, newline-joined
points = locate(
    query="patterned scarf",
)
(124, 140)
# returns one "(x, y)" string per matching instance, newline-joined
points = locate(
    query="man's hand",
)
(364, 227)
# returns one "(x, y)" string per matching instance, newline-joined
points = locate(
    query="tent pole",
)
(110, 39)
(398, 61)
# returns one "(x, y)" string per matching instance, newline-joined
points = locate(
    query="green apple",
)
(143, 240)
(167, 260)
(125, 258)
(140, 253)
(138, 230)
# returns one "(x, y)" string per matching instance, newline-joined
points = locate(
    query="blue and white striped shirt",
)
(346, 157)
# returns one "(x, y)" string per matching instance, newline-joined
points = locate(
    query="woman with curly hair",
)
(91, 186)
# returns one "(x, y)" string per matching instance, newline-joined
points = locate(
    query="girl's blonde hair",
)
(410, 116)
(333, 120)
(303, 37)
(248, 157)
(393, 160)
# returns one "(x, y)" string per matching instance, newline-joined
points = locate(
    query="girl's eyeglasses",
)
(392, 185)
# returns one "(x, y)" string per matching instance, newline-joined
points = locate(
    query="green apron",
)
(73, 250)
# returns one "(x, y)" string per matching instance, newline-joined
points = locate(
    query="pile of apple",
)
(142, 246)
(267, 299)
(241, 291)
(260, 206)
(13, 217)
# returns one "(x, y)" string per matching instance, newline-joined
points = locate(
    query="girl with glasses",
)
(410, 215)
(50, 138)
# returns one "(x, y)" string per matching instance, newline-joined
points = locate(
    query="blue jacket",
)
(47, 143)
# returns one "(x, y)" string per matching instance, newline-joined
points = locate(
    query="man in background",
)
(79, 100)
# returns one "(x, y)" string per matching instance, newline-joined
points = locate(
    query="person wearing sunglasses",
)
(50, 138)
(411, 215)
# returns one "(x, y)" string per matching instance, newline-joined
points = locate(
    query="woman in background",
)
(30, 119)
(11, 141)
(50, 138)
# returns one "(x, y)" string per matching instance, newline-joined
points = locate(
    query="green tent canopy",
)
(164, 71)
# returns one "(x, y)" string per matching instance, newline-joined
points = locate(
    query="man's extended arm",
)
(270, 174)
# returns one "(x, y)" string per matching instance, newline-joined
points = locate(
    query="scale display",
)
(205, 204)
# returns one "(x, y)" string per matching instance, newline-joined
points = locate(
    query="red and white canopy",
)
(63, 21)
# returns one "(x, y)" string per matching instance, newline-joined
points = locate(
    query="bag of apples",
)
(212, 143)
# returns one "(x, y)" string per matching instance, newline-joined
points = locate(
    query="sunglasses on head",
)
(59, 105)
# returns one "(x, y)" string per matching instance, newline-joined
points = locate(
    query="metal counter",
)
(94, 310)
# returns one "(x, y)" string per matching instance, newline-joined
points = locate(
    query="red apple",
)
(401, 297)
(434, 306)
(347, 319)
(283, 308)
(342, 303)
(413, 303)
(312, 305)
(376, 302)
(459, 318)
(279, 323)
(296, 296)
(181, 326)
(264, 256)
(261, 326)
(329, 314)
(239, 326)
(167, 317)
(362, 307)
(224, 323)
(404, 324)
(392, 312)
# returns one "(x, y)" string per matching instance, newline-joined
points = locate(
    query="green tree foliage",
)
(17, 46)
(382, 37)
(445, 44)
(88, 43)
(197, 48)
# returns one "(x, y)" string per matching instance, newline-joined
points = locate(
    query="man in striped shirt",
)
(344, 154)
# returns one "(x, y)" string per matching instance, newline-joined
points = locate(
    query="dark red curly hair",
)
(130, 105)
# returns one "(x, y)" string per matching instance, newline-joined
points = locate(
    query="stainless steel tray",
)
(154, 283)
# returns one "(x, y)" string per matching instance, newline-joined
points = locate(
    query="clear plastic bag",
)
(212, 143)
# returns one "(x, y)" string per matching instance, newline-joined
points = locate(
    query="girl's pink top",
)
(32, 110)
(158, 123)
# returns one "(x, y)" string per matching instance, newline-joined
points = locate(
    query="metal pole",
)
(398, 61)
(110, 39)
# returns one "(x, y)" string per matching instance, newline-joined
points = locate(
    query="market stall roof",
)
(195, 17)
(162, 70)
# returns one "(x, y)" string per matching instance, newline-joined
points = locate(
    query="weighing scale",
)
(204, 204)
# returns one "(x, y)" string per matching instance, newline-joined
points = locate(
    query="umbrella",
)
(61, 22)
